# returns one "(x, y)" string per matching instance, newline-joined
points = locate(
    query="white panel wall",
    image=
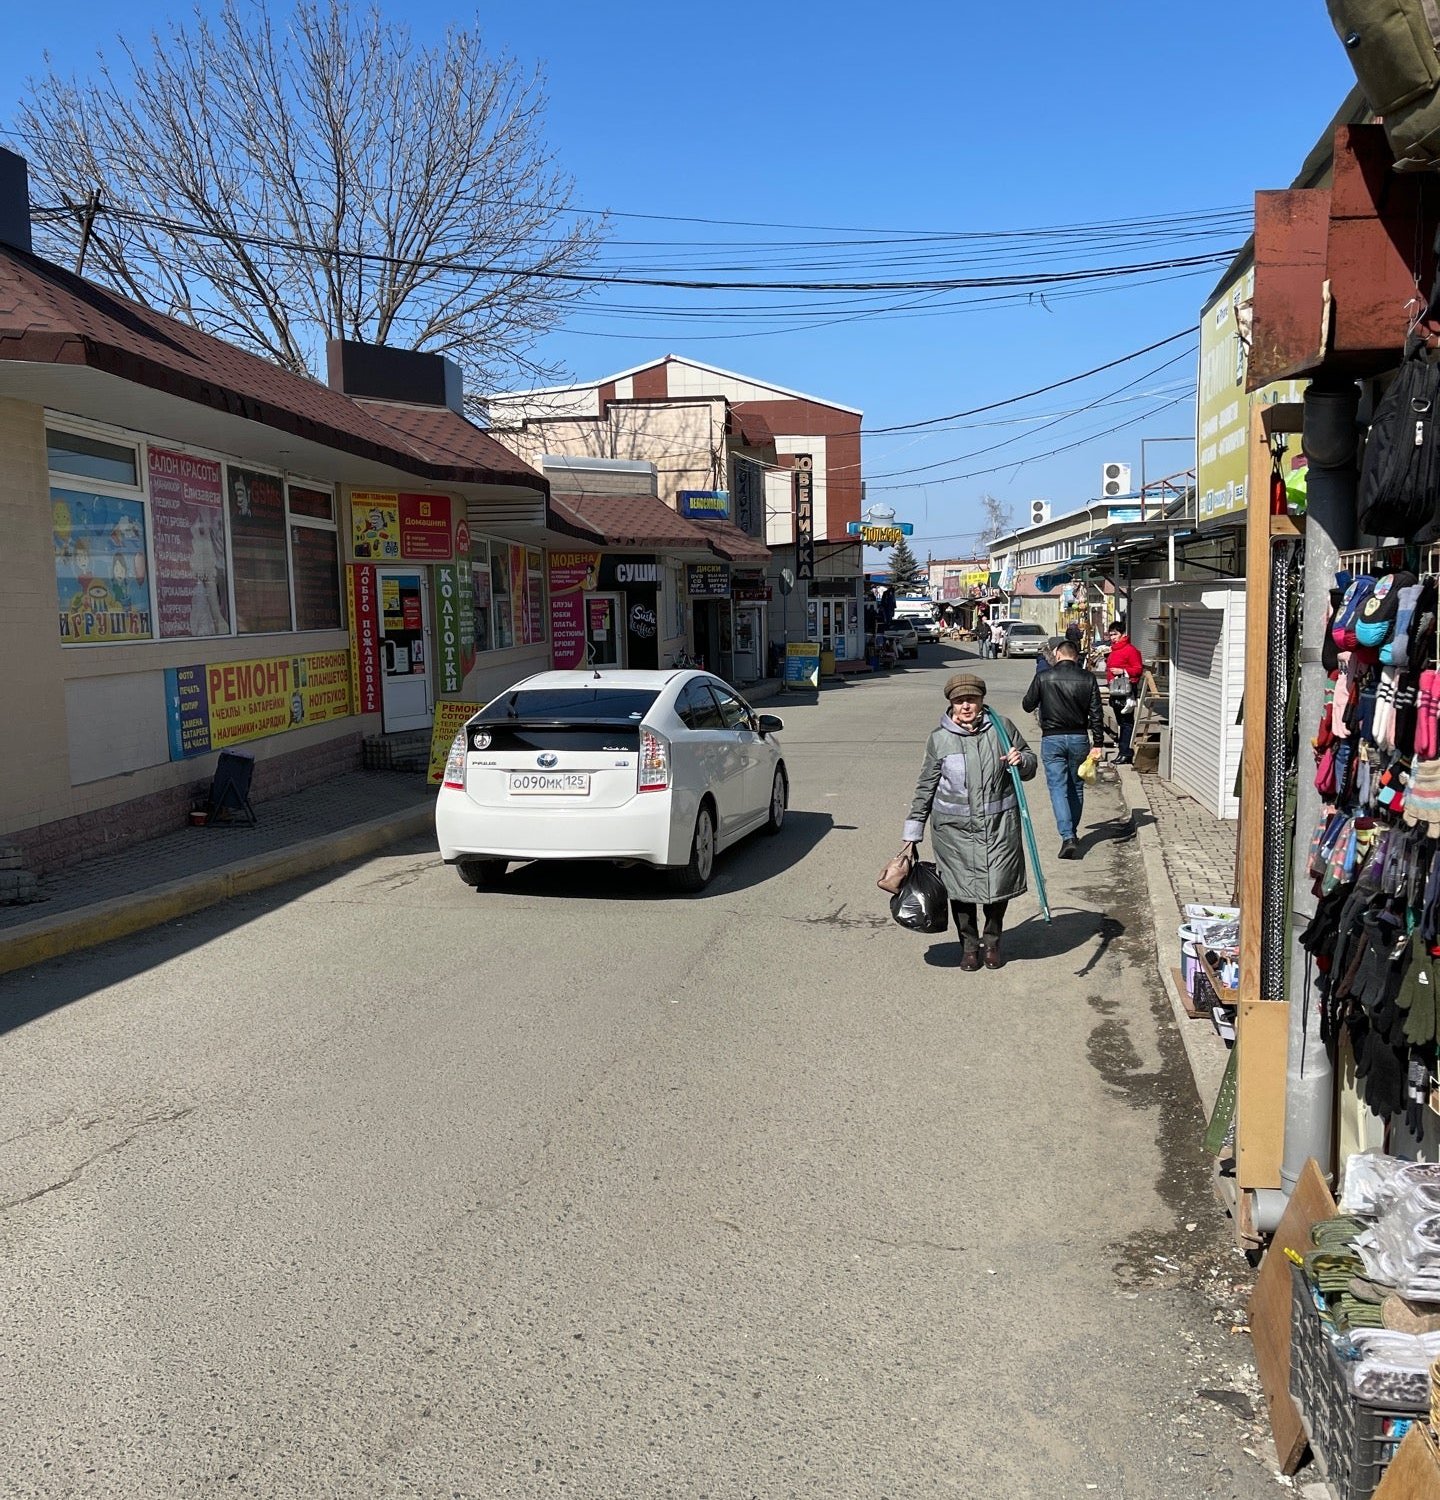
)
(779, 509)
(815, 446)
(687, 380)
(116, 724)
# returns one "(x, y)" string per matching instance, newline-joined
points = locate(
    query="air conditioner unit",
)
(1114, 480)
(1039, 512)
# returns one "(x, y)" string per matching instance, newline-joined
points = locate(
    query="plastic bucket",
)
(1192, 945)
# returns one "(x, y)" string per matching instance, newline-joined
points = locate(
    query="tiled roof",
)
(445, 435)
(49, 316)
(644, 521)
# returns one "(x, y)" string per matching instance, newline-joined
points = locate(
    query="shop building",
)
(710, 432)
(655, 585)
(208, 554)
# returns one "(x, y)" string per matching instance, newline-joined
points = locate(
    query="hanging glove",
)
(1422, 796)
(1420, 1022)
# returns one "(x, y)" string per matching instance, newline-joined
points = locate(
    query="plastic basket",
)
(1353, 1442)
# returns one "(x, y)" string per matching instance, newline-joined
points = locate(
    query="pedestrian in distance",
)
(997, 639)
(1072, 731)
(966, 794)
(1124, 667)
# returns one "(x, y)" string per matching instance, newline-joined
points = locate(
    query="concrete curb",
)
(102, 922)
(1205, 1052)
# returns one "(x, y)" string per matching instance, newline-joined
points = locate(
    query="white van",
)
(922, 614)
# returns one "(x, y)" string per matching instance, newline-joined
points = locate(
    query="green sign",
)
(447, 621)
(1222, 407)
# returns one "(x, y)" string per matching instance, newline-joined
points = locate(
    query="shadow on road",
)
(750, 863)
(1035, 939)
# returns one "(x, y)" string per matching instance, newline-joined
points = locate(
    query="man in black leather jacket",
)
(1072, 730)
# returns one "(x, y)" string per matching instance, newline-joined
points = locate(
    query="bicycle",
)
(683, 660)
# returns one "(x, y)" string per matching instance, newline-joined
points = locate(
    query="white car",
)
(1025, 638)
(903, 636)
(663, 768)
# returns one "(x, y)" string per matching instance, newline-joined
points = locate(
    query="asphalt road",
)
(378, 1186)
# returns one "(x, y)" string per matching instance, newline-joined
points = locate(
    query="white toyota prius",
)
(663, 768)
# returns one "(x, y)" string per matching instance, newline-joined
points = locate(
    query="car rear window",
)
(569, 706)
(1026, 630)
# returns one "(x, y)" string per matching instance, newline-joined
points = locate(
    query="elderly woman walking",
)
(966, 794)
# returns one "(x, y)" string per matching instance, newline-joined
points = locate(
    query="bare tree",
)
(999, 519)
(278, 181)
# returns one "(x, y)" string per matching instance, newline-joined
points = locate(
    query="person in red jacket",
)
(1124, 668)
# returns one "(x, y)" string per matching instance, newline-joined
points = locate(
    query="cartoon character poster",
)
(102, 572)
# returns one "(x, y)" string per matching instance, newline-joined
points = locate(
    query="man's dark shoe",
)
(971, 961)
(992, 956)
(1070, 849)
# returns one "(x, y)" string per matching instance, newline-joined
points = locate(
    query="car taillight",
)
(654, 762)
(455, 762)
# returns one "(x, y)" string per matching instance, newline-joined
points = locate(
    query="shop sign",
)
(804, 482)
(450, 718)
(465, 593)
(1222, 406)
(704, 505)
(425, 532)
(572, 574)
(447, 625)
(187, 522)
(102, 581)
(707, 580)
(618, 571)
(833, 588)
(749, 496)
(375, 526)
(210, 707)
(362, 597)
(462, 538)
(880, 536)
(802, 662)
(751, 588)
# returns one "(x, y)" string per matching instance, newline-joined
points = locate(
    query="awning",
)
(646, 521)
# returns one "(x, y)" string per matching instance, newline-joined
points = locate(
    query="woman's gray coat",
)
(966, 794)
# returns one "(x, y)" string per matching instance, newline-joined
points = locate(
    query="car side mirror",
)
(770, 724)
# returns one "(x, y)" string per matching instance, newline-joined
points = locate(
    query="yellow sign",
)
(450, 719)
(1222, 408)
(213, 705)
(881, 536)
(802, 662)
(375, 526)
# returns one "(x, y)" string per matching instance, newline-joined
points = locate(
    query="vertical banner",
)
(572, 575)
(519, 597)
(447, 624)
(804, 482)
(361, 593)
(187, 520)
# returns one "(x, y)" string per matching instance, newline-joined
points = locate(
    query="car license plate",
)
(549, 783)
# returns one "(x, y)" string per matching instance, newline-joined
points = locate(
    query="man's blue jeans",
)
(1061, 755)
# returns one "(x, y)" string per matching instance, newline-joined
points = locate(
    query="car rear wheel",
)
(481, 873)
(695, 875)
(779, 797)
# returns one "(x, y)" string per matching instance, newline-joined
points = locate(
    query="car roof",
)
(630, 677)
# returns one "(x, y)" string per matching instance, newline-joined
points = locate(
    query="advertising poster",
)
(450, 719)
(707, 580)
(259, 558)
(425, 530)
(535, 590)
(101, 576)
(213, 707)
(572, 575)
(802, 663)
(187, 523)
(375, 526)
(362, 597)
(447, 625)
(704, 505)
(519, 598)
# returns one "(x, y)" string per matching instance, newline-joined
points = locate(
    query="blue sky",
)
(919, 117)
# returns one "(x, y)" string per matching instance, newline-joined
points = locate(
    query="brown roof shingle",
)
(49, 316)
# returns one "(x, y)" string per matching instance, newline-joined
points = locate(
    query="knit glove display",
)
(1422, 795)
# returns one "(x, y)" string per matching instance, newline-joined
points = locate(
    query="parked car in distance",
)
(905, 639)
(1025, 638)
(664, 768)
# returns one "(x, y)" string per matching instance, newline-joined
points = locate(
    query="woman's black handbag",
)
(921, 904)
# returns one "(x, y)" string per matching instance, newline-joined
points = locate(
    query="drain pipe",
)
(1329, 441)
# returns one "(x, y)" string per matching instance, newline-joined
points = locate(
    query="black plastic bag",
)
(921, 904)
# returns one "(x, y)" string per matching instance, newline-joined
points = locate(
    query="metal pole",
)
(1329, 441)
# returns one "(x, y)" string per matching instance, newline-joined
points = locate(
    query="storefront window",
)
(257, 533)
(535, 591)
(483, 610)
(314, 558)
(102, 570)
(504, 634)
(187, 522)
(92, 458)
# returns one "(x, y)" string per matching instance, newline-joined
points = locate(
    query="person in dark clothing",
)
(1072, 730)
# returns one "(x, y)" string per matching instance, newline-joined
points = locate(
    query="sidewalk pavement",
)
(1189, 856)
(349, 816)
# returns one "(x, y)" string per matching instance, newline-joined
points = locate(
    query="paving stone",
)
(1198, 848)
